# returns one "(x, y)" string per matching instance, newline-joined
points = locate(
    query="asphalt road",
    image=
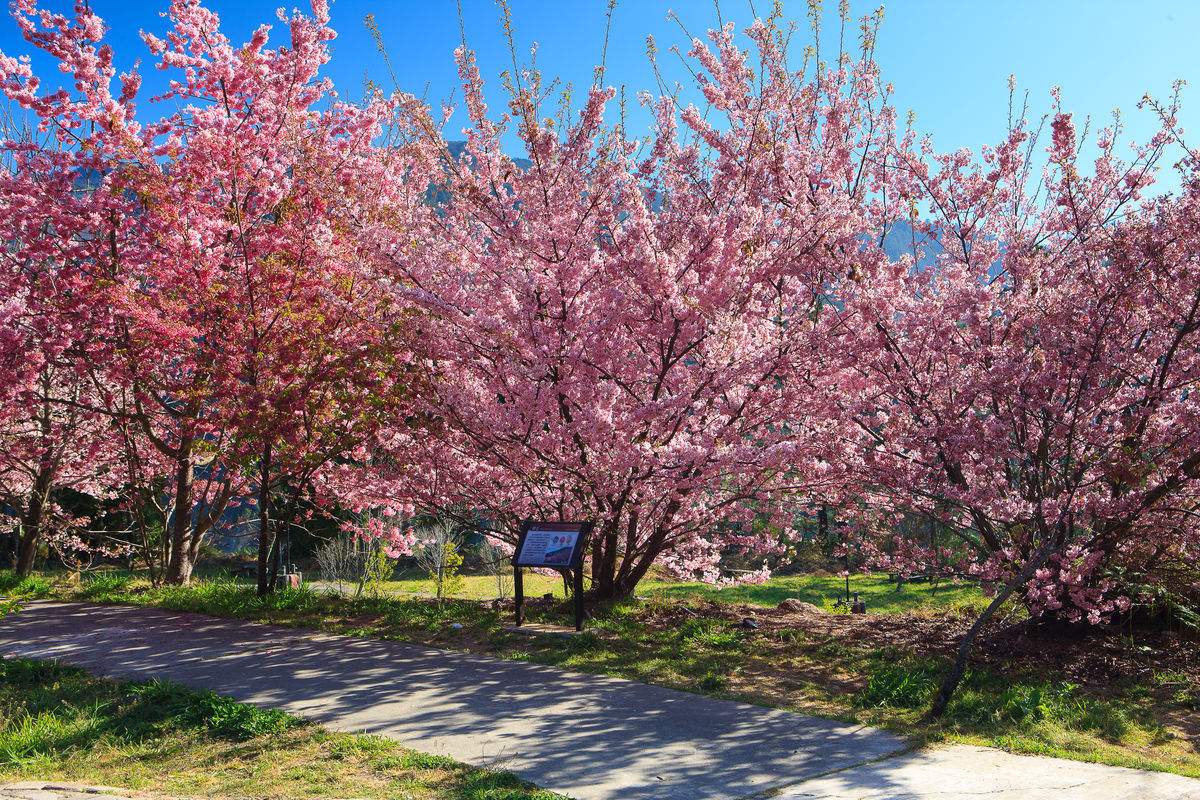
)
(588, 737)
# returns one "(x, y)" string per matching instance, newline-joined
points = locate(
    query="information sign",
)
(557, 545)
(552, 545)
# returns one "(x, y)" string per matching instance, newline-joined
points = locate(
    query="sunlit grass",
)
(59, 723)
(881, 594)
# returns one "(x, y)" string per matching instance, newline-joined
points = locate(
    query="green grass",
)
(31, 587)
(673, 636)
(59, 723)
(1035, 714)
(880, 593)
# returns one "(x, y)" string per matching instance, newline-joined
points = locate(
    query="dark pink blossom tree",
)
(220, 244)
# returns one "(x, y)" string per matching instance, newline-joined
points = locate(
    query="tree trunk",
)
(604, 559)
(273, 559)
(618, 584)
(26, 550)
(959, 667)
(264, 522)
(179, 565)
(31, 523)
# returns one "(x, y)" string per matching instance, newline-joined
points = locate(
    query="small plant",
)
(104, 585)
(497, 563)
(30, 587)
(349, 561)
(437, 551)
(222, 715)
(378, 568)
(708, 633)
(898, 685)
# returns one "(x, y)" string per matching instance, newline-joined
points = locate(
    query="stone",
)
(796, 606)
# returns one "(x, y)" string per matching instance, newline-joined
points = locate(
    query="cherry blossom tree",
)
(1033, 382)
(295, 362)
(49, 439)
(236, 342)
(640, 331)
(49, 443)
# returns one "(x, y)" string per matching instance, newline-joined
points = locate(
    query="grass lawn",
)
(882, 669)
(59, 723)
(880, 593)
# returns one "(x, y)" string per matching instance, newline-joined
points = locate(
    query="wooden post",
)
(519, 594)
(579, 598)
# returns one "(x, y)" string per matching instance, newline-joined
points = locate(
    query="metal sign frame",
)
(572, 571)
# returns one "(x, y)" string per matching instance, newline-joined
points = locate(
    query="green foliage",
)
(987, 702)
(31, 587)
(222, 716)
(416, 760)
(136, 709)
(104, 585)
(880, 593)
(377, 569)
(899, 685)
(702, 632)
(226, 597)
(452, 580)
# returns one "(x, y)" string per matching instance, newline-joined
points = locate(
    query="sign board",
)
(553, 545)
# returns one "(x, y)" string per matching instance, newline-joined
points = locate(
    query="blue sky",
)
(949, 60)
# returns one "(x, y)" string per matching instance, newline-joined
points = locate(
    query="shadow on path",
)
(590, 737)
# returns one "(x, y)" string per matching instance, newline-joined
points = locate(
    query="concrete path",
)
(589, 737)
(54, 790)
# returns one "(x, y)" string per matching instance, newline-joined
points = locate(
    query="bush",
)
(363, 565)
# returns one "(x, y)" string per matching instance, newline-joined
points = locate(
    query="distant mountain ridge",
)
(899, 242)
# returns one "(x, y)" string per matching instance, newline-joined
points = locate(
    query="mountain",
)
(899, 242)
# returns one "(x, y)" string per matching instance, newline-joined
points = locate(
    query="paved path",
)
(55, 790)
(589, 737)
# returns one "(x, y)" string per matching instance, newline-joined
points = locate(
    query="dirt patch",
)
(1090, 656)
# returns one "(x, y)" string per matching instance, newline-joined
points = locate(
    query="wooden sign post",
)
(552, 545)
